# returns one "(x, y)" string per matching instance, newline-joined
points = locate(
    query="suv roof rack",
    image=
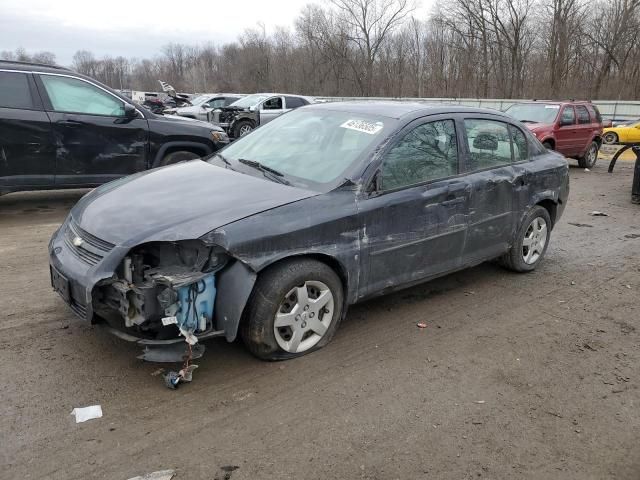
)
(35, 64)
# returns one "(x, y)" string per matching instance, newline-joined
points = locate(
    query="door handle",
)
(70, 123)
(453, 201)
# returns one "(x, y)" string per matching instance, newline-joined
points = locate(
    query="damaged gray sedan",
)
(275, 236)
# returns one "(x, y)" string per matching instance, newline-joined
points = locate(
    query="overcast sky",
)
(136, 28)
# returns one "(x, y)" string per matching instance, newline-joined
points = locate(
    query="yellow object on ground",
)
(608, 151)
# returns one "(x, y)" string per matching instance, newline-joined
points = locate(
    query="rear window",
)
(14, 91)
(595, 113)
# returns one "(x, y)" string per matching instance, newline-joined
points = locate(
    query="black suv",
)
(61, 129)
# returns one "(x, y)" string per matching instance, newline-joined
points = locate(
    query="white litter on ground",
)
(159, 475)
(87, 413)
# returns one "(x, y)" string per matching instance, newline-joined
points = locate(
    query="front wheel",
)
(610, 138)
(242, 128)
(295, 308)
(589, 159)
(531, 241)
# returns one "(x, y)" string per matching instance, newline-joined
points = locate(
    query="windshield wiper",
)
(529, 121)
(279, 176)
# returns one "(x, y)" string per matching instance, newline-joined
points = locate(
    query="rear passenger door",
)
(488, 164)
(414, 223)
(27, 153)
(584, 129)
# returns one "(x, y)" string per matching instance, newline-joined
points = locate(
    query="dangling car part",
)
(276, 235)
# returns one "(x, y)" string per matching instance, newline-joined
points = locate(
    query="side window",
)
(595, 113)
(489, 143)
(568, 116)
(274, 103)
(294, 102)
(216, 103)
(583, 114)
(428, 152)
(76, 96)
(14, 91)
(230, 100)
(520, 143)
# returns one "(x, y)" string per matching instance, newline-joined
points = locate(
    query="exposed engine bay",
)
(163, 290)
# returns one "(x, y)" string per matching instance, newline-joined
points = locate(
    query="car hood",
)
(189, 109)
(177, 202)
(192, 121)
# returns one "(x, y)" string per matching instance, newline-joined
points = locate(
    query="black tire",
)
(547, 145)
(514, 259)
(242, 128)
(176, 157)
(590, 157)
(270, 295)
(610, 138)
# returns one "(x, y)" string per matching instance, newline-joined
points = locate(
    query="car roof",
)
(275, 94)
(31, 67)
(400, 109)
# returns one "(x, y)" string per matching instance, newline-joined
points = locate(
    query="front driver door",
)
(271, 109)
(95, 142)
(414, 225)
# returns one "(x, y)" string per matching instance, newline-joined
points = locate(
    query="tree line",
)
(465, 48)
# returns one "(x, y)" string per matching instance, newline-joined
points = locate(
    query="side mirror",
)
(253, 108)
(130, 111)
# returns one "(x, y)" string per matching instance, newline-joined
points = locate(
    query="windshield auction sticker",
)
(363, 126)
(554, 107)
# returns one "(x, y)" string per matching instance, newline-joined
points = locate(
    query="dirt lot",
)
(516, 376)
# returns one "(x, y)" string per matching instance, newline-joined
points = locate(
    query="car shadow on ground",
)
(45, 202)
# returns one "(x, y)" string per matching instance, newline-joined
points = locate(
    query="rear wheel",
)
(176, 157)
(531, 241)
(295, 308)
(589, 159)
(610, 138)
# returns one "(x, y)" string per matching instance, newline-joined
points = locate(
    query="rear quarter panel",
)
(546, 178)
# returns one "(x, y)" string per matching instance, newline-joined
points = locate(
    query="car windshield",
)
(534, 113)
(249, 101)
(312, 148)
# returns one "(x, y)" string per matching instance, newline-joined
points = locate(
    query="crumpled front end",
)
(162, 291)
(159, 294)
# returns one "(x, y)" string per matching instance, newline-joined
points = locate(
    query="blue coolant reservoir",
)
(196, 301)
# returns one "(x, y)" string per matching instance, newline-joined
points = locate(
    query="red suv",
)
(572, 128)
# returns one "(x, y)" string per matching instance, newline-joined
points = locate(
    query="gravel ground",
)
(515, 376)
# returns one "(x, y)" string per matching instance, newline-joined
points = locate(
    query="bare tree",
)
(370, 23)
